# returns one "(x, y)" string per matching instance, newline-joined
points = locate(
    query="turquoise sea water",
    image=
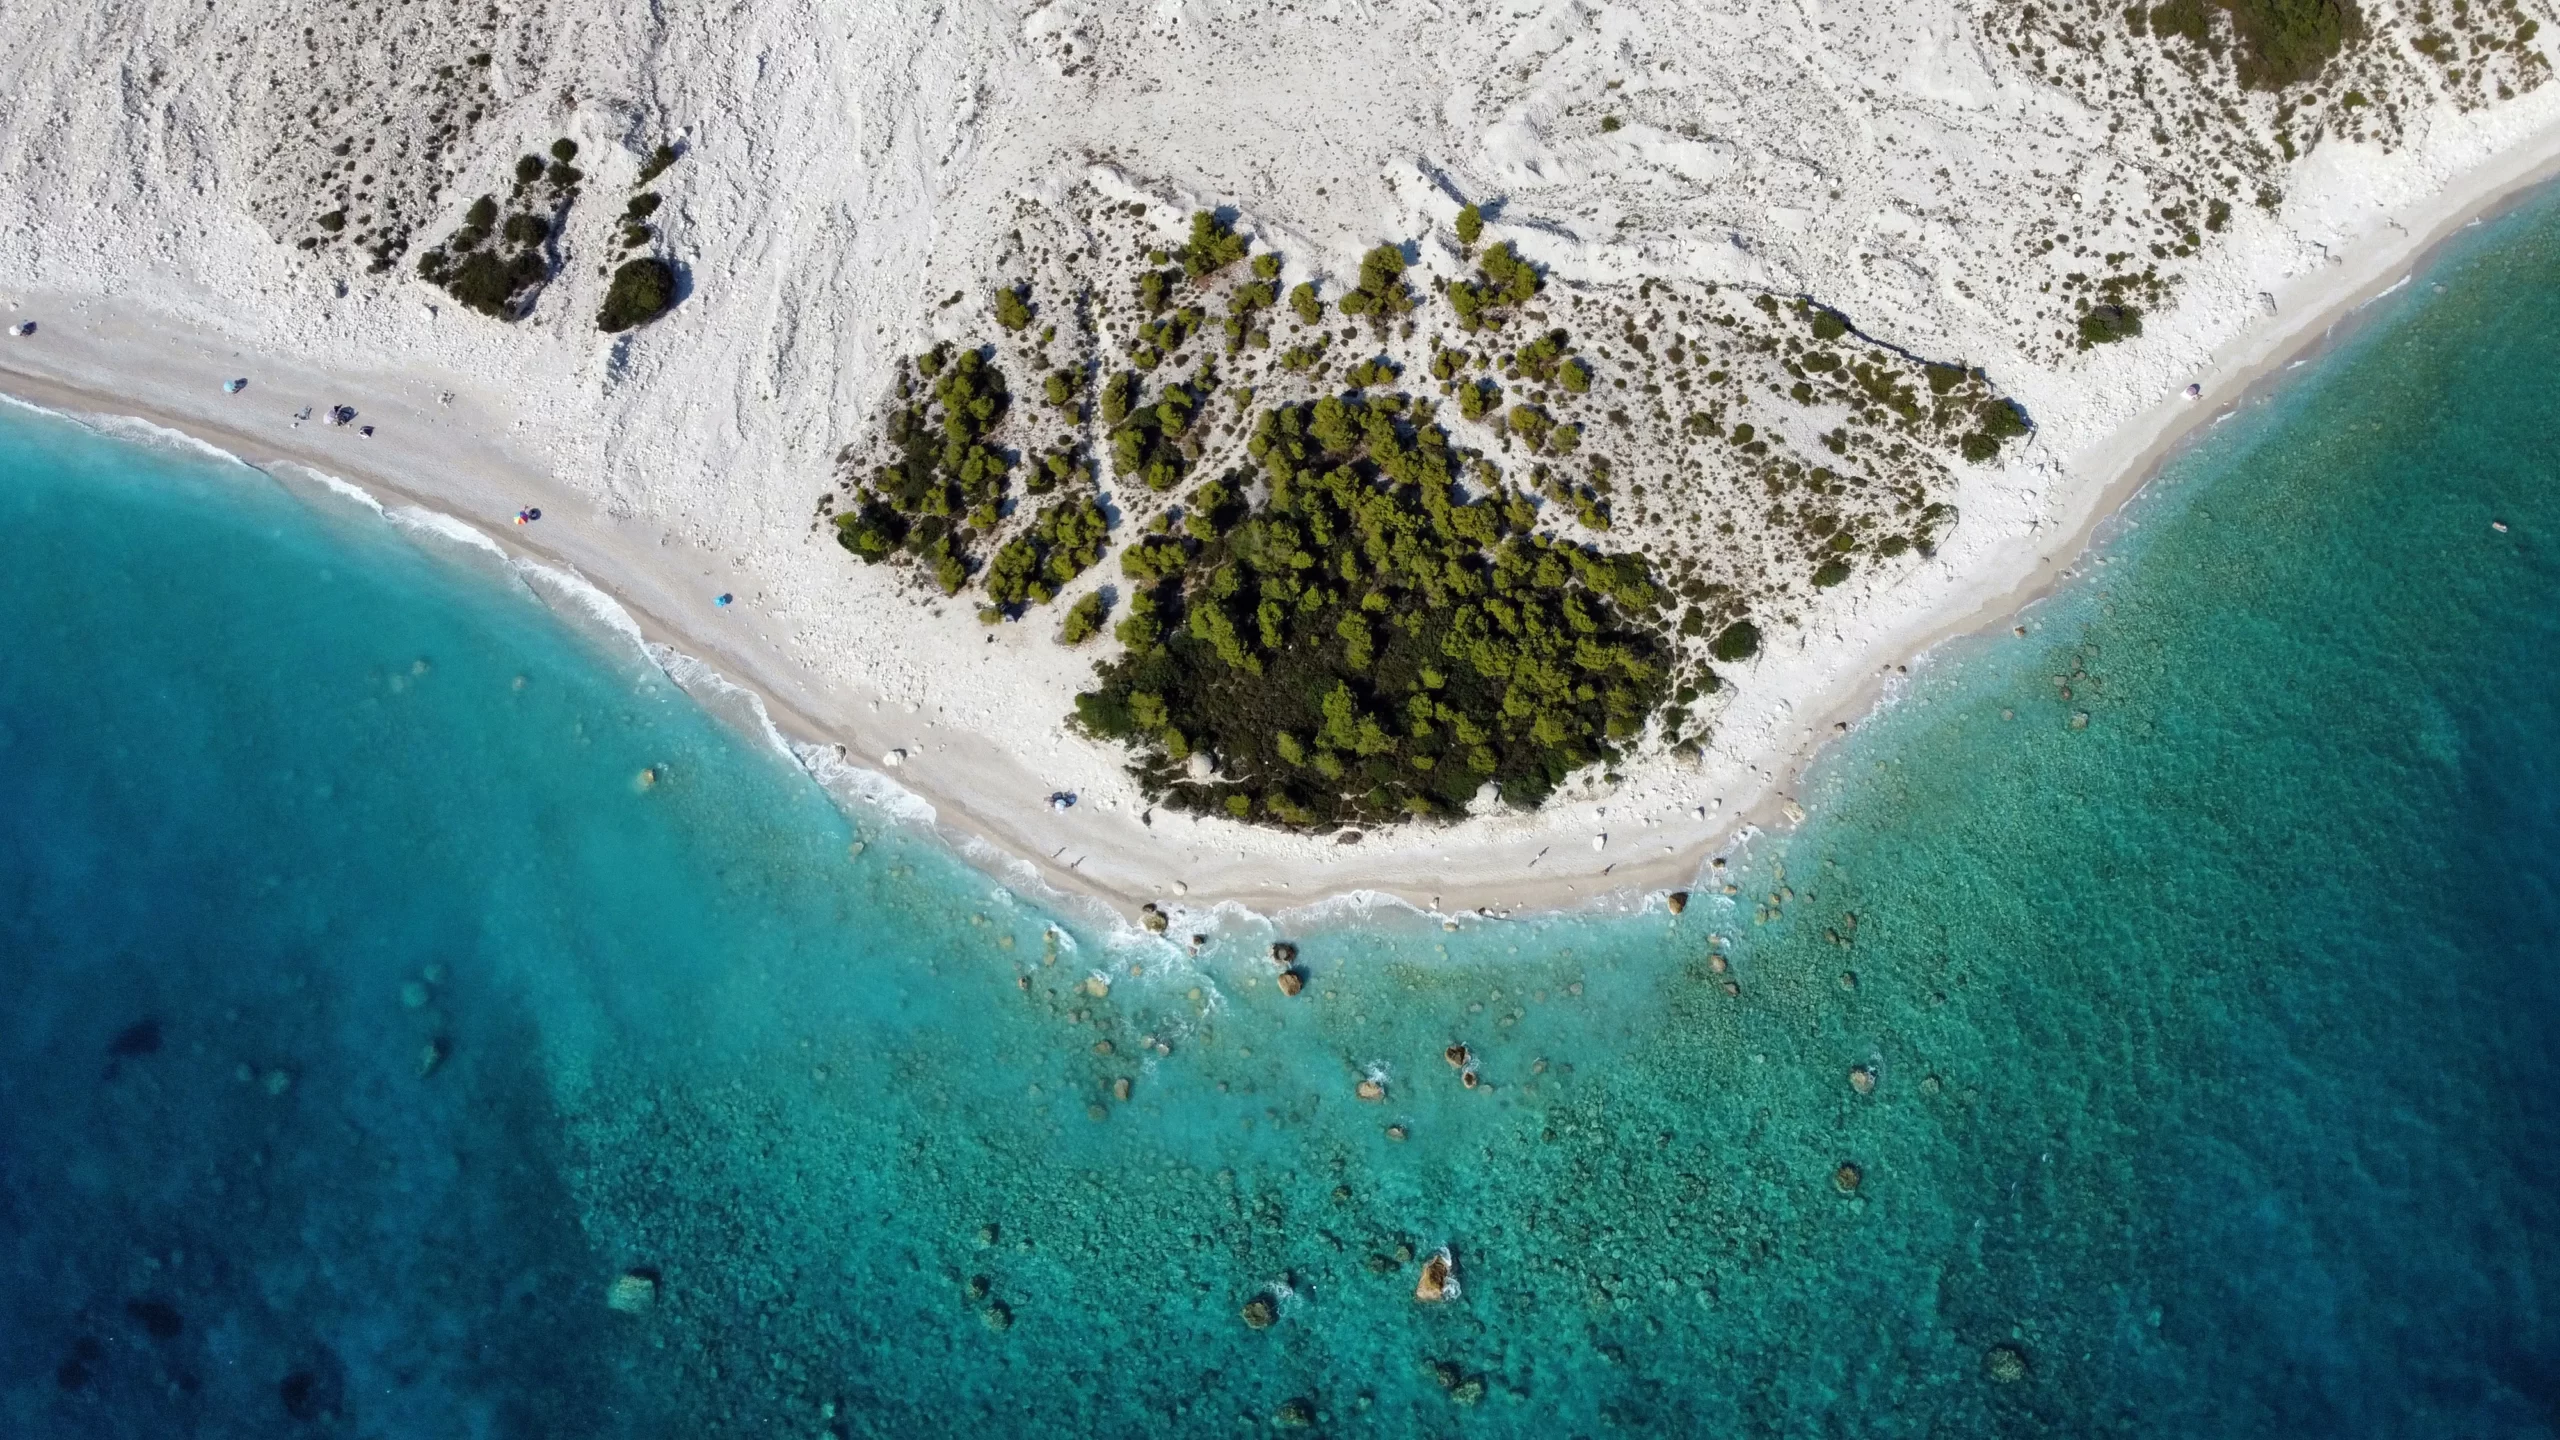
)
(363, 1016)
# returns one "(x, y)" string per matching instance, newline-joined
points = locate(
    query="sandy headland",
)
(675, 465)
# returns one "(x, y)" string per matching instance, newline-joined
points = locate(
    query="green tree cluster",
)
(1303, 301)
(1213, 246)
(1064, 541)
(1084, 618)
(1364, 644)
(1503, 280)
(2280, 43)
(1541, 358)
(945, 484)
(1159, 340)
(1470, 225)
(496, 267)
(1382, 294)
(1996, 422)
(1149, 441)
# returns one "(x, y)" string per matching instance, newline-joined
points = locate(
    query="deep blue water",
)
(365, 1014)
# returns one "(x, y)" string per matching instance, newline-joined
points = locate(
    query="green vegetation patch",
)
(498, 267)
(2278, 43)
(945, 485)
(1382, 294)
(2106, 323)
(1366, 645)
(1503, 280)
(642, 290)
(1064, 542)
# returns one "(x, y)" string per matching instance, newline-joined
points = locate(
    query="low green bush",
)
(1085, 617)
(1013, 310)
(2105, 324)
(1736, 642)
(642, 290)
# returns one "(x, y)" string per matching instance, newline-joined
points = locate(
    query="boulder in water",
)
(1291, 982)
(2005, 1364)
(633, 1292)
(1848, 1178)
(1862, 1079)
(1259, 1312)
(1678, 901)
(1370, 1090)
(1439, 1280)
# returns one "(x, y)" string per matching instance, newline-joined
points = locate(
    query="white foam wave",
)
(293, 472)
(572, 592)
(418, 520)
(147, 432)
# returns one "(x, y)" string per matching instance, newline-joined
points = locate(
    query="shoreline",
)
(458, 461)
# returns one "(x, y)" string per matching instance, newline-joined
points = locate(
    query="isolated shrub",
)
(564, 150)
(642, 206)
(483, 213)
(1013, 312)
(481, 282)
(1831, 573)
(527, 230)
(1470, 225)
(1213, 246)
(528, 169)
(1085, 617)
(1302, 299)
(642, 290)
(659, 160)
(2105, 324)
(1736, 642)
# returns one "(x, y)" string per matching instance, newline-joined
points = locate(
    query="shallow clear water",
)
(364, 1016)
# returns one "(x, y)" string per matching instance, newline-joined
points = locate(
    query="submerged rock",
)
(1371, 1090)
(1259, 1312)
(1862, 1079)
(633, 1292)
(2005, 1364)
(1154, 919)
(1848, 1178)
(1458, 1056)
(142, 1037)
(1678, 901)
(1291, 982)
(1283, 953)
(1295, 1414)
